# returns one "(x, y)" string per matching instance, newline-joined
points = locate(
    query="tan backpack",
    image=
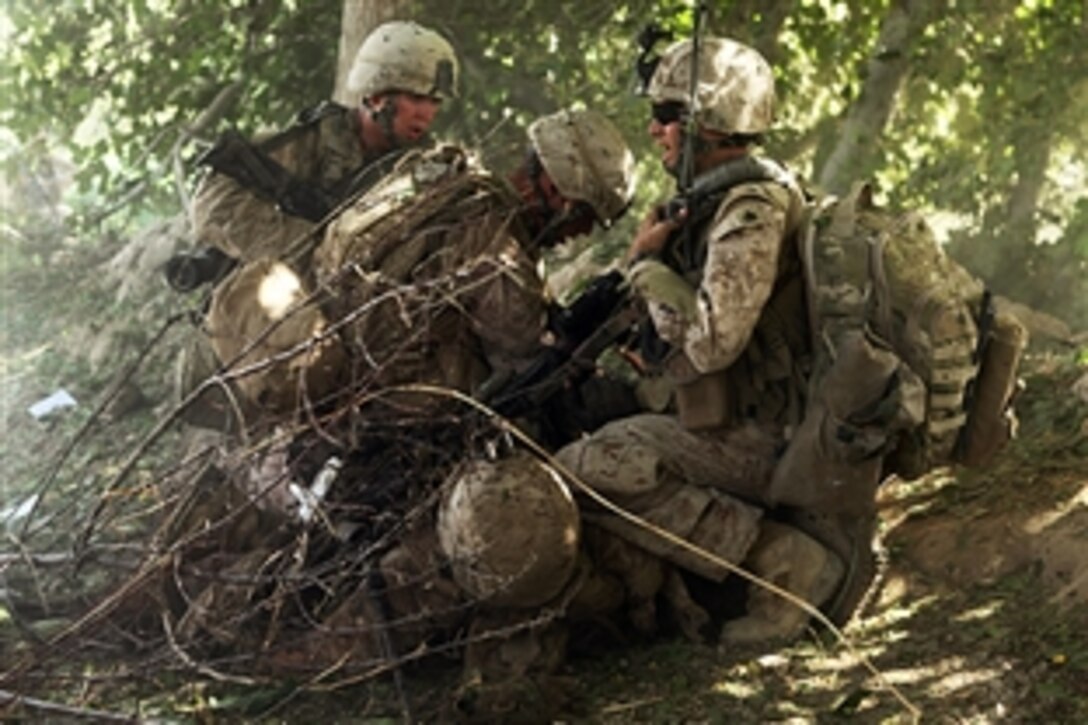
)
(913, 367)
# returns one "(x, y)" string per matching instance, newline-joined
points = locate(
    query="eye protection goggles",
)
(668, 112)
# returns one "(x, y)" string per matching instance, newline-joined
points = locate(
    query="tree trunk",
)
(358, 19)
(854, 156)
(756, 22)
(1014, 248)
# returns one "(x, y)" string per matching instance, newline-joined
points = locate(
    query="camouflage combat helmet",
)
(404, 56)
(587, 159)
(510, 530)
(735, 93)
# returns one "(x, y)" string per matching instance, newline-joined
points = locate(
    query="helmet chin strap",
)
(384, 118)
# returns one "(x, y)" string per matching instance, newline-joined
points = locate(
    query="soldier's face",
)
(667, 129)
(413, 114)
(568, 218)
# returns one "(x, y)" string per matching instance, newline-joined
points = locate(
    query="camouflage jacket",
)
(323, 148)
(738, 313)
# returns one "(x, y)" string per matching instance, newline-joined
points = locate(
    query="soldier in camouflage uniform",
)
(453, 258)
(401, 74)
(724, 291)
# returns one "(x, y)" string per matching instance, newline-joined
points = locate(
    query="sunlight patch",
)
(978, 613)
(950, 672)
(1036, 524)
(736, 689)
(278, 291)
(960, 680)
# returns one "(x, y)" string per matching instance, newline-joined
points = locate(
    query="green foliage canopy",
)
(986, 130)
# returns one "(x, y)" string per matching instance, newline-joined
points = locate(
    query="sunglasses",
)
(668, 112)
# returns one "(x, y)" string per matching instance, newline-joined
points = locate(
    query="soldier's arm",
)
(713, 323)
(239, 221)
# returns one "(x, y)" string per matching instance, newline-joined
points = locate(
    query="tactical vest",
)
(766, 383)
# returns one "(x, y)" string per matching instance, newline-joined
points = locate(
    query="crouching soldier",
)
(725, 294)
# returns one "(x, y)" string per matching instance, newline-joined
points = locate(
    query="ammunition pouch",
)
(835, 459)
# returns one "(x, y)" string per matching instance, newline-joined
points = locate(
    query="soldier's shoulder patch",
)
(747, 206)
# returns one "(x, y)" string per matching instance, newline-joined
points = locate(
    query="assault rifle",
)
(233, 155)
(253, 168)
(599, 318)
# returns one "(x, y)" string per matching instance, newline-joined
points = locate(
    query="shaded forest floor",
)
(980, 615)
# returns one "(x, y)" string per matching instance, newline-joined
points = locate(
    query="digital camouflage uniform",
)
(324, 152)
(728, 300)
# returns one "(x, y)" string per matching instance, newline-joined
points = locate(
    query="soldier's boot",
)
(511, 664)
(852, 538)
(795, 562)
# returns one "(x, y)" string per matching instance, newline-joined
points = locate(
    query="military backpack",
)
(884, 275)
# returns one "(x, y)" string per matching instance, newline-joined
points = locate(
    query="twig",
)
(197, 666)
(123, 378)
(619, 707)
(100, 610)
(227, 373)
(14, 700)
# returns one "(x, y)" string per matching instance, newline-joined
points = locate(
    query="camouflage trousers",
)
(711, 490)
(692, 486)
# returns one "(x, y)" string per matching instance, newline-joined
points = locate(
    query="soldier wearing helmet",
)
(400, 75)
(483, 231)
(727, 330)
(261, 203)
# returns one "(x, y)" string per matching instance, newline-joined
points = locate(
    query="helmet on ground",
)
(735, 92)
(404, 56)
(588, 160)
(510, 530)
